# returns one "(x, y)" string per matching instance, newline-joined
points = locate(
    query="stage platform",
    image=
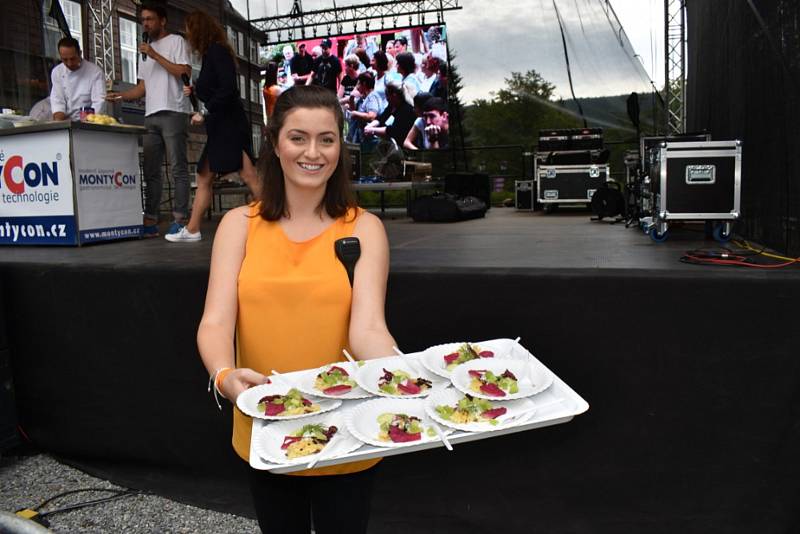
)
(505, 239)
(691, 373)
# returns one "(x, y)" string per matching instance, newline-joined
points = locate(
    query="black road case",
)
(695, 181)
(569, 184)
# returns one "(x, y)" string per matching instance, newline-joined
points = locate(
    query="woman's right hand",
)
(239, 380)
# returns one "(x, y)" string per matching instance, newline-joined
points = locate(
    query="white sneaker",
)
(183, 236)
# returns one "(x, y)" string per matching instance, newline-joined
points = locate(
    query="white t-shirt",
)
(163, 91)
(72, 90)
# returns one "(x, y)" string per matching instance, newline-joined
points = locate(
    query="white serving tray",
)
(571, 405)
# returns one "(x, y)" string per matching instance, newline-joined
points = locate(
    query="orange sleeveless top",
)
(294, 310)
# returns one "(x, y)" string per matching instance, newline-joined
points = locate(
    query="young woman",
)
(229, 145)
(277, 287)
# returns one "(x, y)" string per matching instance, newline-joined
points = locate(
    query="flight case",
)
(695, 181)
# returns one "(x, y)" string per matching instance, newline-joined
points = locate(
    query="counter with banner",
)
(69, 183)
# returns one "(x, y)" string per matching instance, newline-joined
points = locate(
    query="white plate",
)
(248, 402)
(305, 382)
(369, 374)
(268, 442)
(450, 397)
(433, 357)
(362, 420)
(531, 378)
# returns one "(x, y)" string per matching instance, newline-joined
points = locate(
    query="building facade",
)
(28, 50)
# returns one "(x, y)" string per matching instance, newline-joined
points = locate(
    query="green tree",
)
(515, 114)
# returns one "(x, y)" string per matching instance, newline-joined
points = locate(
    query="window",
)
(231, 37)
(72, 12)
(52, 33)
(256, 138)
(128, 51)
(242, 87)
(254, 51)
(240, 44)
(254, 92)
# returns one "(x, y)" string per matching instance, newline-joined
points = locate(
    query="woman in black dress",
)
(229, 147)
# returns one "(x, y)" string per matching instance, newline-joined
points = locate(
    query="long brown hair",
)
(338, 198)
(202, 30)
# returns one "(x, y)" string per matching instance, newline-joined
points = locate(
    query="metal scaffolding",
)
(675, 65)
(102, 12)
(351, 19)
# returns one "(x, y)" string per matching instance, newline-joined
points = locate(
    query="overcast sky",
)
(492, 39)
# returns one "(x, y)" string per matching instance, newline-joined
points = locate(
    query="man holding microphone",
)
(165, 58)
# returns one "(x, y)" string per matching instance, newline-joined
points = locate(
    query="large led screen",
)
(392, 84)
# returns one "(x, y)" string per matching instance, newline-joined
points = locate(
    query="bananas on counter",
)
(99, 118)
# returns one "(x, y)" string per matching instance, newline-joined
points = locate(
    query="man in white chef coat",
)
(76, 83)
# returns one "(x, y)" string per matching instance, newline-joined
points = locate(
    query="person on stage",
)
(327, 68)
(76, 83)
(166, 115)
(228, 147)
(277, 288)
(396, 120)
(301, 65)
(271, 89)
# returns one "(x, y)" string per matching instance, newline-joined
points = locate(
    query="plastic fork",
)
(407, 360)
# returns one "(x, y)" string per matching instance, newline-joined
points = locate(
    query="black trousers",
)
(340, 504)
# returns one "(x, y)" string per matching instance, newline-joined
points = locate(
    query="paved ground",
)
(27, 481)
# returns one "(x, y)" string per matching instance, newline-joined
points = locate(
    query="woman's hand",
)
(197, 118)
(187, 90)
(238, 380)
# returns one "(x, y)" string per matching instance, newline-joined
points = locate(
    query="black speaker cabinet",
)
(464, 184)
(523, 195)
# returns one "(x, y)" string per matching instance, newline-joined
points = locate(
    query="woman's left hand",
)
(187, 90)
(197, 118)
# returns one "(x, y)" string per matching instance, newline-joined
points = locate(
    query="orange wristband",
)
(221, 374)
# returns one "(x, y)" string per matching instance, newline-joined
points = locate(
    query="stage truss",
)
(299, 24)
(102, 12)
(675, 65)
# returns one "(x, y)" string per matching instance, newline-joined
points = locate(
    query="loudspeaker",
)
(468, 184)
(523, 195)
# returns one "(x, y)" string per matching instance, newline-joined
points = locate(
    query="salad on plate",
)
(400, 428)
(465, 353)
(292, 403)
(470, 410)
(489, 383)
(399, 382)
(310, 439)
(334, 381)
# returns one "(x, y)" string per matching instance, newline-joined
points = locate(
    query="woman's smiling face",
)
(308, 147)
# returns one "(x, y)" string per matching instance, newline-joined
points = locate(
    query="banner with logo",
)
(107, 185)
(36, 201)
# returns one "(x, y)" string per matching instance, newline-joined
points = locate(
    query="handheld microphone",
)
(145, 39)
(187, 83)
(348, 250)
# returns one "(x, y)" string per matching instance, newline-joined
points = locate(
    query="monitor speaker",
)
(469, 184)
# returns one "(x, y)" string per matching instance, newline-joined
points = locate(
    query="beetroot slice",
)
(338, 389)
(486, 354)
(288, 440)
(450, 358)
(509, 374)
(399, 436)
(274, 409)
(408, 387)
(337, 368)
(493, 390)
(477, 373)
(494, 413)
